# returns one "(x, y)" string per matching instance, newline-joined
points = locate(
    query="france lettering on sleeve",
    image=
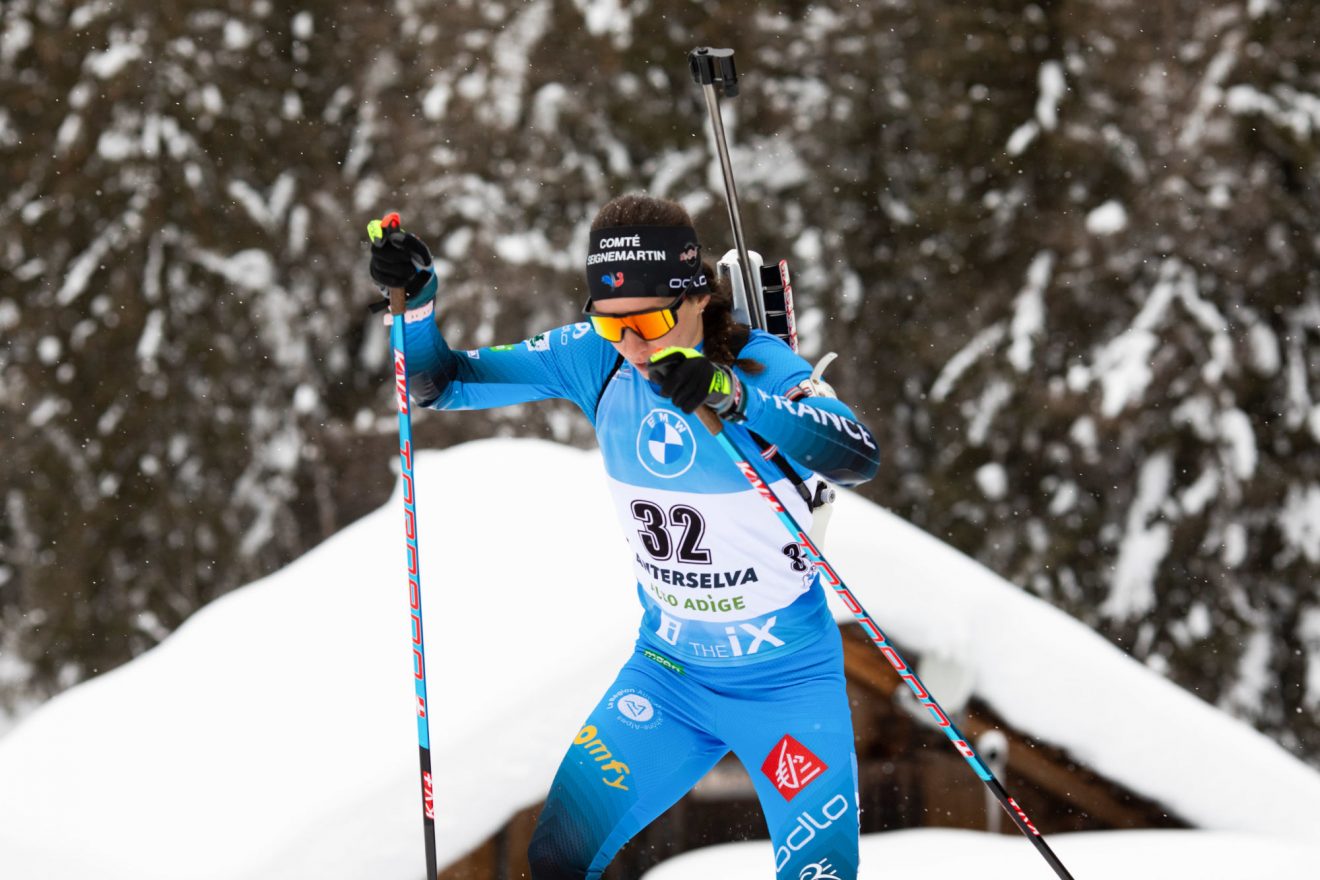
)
(820, 432)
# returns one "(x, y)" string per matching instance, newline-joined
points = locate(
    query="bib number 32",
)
(659, 529)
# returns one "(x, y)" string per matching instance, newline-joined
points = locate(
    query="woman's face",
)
(686, 333)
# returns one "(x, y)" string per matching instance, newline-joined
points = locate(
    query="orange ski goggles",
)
(650, 324)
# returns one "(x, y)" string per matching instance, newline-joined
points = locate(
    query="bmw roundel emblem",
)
(665, 445)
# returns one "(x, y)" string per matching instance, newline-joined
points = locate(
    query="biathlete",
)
(737, 650)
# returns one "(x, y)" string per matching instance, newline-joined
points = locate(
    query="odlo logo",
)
(588, 739)
(683, 283)
(805, 832)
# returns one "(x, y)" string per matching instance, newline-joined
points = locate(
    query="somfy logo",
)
(588, 739)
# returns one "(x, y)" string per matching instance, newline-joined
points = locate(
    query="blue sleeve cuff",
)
(430, 360)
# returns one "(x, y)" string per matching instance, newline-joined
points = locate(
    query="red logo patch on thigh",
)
(791, 767)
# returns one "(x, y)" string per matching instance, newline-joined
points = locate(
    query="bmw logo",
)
(665, 445)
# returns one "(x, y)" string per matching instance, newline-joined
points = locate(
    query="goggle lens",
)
(648, 325)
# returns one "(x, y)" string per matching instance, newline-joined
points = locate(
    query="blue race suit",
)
(737, 650)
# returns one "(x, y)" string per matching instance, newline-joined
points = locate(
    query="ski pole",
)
(713, 70)
(905, 672)
(378, 230)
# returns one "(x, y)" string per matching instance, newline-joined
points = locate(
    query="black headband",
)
(644, 261)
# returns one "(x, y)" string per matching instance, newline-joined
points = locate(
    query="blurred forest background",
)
(1067, 250)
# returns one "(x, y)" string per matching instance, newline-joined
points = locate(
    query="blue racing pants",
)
(661, 726)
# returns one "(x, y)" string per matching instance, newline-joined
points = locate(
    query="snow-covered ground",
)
(273, 735)
(1096, 855)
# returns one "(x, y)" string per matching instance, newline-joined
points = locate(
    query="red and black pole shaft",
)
(830, 578)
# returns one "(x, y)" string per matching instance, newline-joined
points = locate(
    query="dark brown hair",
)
(719, 331)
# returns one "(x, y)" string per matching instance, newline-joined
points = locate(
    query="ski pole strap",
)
(771, 453)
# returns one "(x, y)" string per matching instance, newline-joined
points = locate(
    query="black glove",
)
(689, 379)
(398, 258)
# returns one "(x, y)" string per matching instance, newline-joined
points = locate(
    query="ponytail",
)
(722, 336)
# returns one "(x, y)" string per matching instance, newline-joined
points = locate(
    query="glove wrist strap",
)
(412, 316)
(731, 408)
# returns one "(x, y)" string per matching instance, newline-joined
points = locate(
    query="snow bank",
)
(930, 852)
(272, 735)
(1050, 675)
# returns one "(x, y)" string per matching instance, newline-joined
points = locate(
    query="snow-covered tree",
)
(1065, 248)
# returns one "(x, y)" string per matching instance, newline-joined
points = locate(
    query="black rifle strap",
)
(618, 362)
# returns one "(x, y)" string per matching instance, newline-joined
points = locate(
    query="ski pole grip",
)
(714, 67)
(398, 301)
(712, 422)
(377, 230)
